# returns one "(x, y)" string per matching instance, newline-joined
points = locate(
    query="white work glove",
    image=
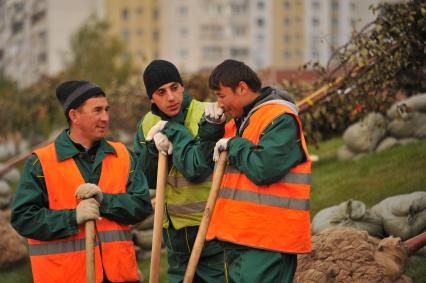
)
(155, 129)
(88, 190)
(220, 146)
(214, 114)
(163, 144)
(87, 209)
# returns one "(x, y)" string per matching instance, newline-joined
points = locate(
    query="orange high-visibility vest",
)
(272, 217)
(63, 260)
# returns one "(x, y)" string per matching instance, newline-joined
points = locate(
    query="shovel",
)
(90, 251)
(158, 218)
(205, 221)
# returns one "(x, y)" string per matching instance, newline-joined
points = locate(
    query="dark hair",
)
(230, 73)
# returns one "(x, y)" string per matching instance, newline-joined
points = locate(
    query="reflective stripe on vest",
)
(184, 200)
(290, 177)
(271, 217)
(77, 244)
(180, 181)
(264, 199)
(64, 258)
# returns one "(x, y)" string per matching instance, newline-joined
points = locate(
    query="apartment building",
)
(136, 22)
(199, 34)
(194, 34)
(35, 34)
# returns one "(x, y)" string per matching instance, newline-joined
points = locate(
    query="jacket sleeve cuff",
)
(210, 131)
(71, 219)
(171, 129)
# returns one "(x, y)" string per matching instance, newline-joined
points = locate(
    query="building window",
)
(352, 6)
(315, 21)
(183, 11)
(183, 53)
(260, 5)
(139, 10)
(316, 5)
(287, 55)
(125, 35)
(125, 14)
(126, 57)
(334, 6)
(287, 22)
(287, 38)
(17, 27)
(155, 36)
(260, 22)
(139, 32)
(239, 52)
(334, 41)
(19, 7)
(42, 57)
(212, 52)
(155, 14)
(38, 16)
(212, 31)
(239, 30)
(286, 5)
(183, 32)
(42, 35)
(238, 9)
(334, 23)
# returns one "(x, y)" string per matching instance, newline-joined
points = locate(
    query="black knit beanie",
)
(158, 73)
(72, 94)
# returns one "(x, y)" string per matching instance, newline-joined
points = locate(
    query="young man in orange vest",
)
(262, 213)
(81, 177)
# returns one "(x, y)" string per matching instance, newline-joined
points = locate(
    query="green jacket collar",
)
(179, 118)
(66, 148)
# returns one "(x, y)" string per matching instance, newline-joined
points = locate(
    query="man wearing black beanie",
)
(81, 177)
(177, 127)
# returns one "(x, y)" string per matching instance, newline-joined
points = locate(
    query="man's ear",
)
(243, 88)
(73, 116)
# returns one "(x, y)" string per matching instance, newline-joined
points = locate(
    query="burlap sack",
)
(351, 213)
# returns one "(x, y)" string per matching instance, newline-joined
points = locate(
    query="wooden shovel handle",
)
(158, 218)
(205, 221)
(90, 251)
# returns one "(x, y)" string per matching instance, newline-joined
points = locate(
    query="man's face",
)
(168, 98)
(230, 101)
(91, 119)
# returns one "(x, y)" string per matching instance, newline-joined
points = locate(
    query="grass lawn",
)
(370, 179)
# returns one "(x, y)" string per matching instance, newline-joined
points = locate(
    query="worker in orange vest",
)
(261, 217)
(81, 177)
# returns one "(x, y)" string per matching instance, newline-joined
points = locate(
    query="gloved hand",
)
(163, 144)
(220, 146)
(155, 129)
(214, 114)
(87, 209)
(88, 190)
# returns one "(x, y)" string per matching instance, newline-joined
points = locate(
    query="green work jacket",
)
(279, 148)
(31, 216)
(190, 166)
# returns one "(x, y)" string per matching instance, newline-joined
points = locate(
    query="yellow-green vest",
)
(185, 201)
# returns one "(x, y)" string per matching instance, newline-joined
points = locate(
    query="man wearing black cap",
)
(176, 126)
(81, 177)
